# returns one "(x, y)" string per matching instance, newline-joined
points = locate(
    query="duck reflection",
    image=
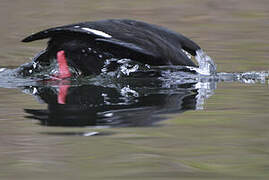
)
(117, 105)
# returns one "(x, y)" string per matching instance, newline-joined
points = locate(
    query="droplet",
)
(35, 90)
(34, 65)
(147, 66)
(108, 114)
(90, 134)
(104, 94)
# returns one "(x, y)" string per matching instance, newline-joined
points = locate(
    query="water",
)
(197, 127)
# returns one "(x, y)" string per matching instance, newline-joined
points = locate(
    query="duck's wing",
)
(174, 38)
(149, 54)
(106, 33)
(125, 45)
(149, 43)
(73, 29)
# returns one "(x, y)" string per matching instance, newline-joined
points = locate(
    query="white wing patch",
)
(97, 32)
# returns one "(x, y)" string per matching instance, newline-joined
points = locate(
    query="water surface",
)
(223, 136)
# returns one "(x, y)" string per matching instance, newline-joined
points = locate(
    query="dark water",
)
(140, 128)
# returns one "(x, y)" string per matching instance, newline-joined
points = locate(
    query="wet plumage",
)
(87, 45)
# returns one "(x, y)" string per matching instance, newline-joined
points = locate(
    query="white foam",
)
(206, 64)
(2, 69)
(97, 32)
(127, 69)
(127, 92)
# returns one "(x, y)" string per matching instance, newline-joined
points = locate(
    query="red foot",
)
(63, 67)
(63, 73)
(63, 90)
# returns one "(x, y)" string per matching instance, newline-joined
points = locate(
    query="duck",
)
(88, 45)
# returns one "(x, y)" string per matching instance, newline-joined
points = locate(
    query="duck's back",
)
(123, 38)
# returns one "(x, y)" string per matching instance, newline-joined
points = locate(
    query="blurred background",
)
(231, 31)
(226, 140)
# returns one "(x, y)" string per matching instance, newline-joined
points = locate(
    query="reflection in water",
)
(131, 95)
(94, 105)
(120, 99)
(121, 102)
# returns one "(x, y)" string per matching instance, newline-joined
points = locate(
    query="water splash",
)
(206, 64)
(122, 67)
(116, 69)
(128, 66)
(127, 98)
(205, 90)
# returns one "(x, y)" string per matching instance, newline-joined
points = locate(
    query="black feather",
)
(116, 38)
